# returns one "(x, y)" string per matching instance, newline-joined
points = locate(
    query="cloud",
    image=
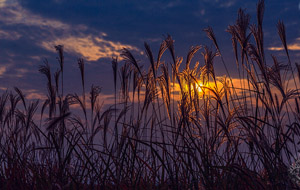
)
(3, 88)
(2, 3)
(15, 14)
(3, 69)
(222, 4)
(20, 72)
(13, 73)
(34, 95)
(90, 47)
(11, 35)
(228, 4)
(294, 46)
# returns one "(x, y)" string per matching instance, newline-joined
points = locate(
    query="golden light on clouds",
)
(91, 48)
(294, 46)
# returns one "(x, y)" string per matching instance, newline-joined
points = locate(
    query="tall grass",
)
(170, 127)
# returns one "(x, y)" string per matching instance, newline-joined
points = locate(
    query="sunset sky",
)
(96, 30)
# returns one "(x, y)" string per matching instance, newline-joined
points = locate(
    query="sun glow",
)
(197, 87)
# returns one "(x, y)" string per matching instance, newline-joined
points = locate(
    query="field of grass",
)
(172, 126)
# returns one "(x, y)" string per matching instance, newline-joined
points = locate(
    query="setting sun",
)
(199, 86)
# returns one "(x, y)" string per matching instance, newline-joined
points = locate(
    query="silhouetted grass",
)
(169, 128)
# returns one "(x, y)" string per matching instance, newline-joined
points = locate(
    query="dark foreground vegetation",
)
(169, 128)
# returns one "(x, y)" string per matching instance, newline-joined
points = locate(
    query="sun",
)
(199, 87)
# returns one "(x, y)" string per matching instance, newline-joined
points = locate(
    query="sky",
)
(96, 30)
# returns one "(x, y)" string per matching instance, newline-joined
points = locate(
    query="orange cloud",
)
(90, 47)
(294, 46)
